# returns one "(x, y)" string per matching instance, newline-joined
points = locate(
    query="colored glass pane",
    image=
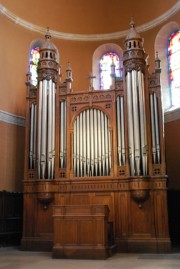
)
(105, 69)
(174, 68)
(34, 59)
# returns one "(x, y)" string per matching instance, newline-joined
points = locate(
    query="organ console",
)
(97, 147)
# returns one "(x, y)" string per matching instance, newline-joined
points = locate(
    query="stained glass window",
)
(174, 68)
(105, 69)
(34, 58)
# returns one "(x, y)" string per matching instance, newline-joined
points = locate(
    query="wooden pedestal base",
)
(81, 232)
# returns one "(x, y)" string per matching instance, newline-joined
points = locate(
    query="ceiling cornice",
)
(91, 37)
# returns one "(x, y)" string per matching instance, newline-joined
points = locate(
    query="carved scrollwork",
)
(139, 190)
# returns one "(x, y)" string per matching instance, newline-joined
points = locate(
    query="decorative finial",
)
(132, 23)
(48, 36)
(91, 77)
(157, 56)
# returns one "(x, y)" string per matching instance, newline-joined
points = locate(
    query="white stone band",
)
(12, 119)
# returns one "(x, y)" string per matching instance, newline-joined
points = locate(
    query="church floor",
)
(12, 258)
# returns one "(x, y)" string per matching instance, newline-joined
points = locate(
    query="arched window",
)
(106, 51)
(174, 68)
(161, 46)
(34, 59)
(105, 69)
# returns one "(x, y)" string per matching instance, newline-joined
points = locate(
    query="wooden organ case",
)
(98, 147)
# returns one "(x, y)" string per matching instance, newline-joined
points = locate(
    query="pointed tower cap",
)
(133, 34)
(47, 44)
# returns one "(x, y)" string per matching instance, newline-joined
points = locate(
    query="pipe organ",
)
(97, 147)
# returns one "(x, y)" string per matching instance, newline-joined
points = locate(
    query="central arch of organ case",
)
(97, 148)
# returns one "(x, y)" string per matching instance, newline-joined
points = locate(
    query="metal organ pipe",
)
(31, 136)
(136, 122)
(39, 130)
(103, 143)
(91, 144)
(53, 129)
(95, 142)
(84, 143)
(49, 129)
(155, 128)
(88, 143)
(130, 123)
(142, 114)
(62, 134)
(81, 144)
(99, 142)
(32, 144)
(46, 129)
(120, 130)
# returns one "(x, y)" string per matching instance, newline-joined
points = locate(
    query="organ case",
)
(95, 147)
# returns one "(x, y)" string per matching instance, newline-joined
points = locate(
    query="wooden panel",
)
(80, 231)
(122, 229)
(105, 198)
(44, 220)
(161, 219)
(80, 199)
(140, 218)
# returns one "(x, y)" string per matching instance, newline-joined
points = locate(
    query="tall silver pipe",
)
(39, 130)
(153, 128)
(122, 130)
(106, 131)
(96, 141)
(53, 128)
(31, 136)
(84, 143)
(44, 128)
(119, 130)
(88, 144)
(103, 143)
(109, 140)
(156, 127)
(130, 123)
(99, 143)
(142, 114)
(75, 146)
(92, 141)
(62, 135)
(34, 140)
(81, 144)
(49, 130)
(136, 122)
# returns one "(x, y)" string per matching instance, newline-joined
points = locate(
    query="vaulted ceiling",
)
(90, 16)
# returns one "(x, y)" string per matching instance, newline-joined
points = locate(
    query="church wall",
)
(11, 157)
(172, 145)
(14, 49)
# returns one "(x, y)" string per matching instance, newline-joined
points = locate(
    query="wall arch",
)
(96, 57)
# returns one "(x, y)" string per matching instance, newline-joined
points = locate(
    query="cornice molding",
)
(172, 115)
(93, 37)
(12, 119)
